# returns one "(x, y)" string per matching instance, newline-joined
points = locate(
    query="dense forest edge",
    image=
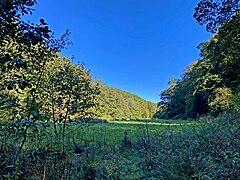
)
(210, 85)
(53, 114)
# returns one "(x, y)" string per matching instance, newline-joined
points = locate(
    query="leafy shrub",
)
(220, 101)
(236, 102)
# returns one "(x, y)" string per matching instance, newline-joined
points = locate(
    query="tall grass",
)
(205, 150)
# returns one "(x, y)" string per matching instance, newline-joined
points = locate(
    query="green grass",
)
(113, 132)
(160, 149)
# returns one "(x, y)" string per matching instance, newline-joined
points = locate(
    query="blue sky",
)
(133, 45)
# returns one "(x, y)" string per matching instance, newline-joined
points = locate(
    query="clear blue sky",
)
(133, 45)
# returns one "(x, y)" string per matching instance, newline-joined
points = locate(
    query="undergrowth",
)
(209, 149)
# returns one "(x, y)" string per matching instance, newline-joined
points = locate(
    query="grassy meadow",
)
(134, 149)
(113, 132)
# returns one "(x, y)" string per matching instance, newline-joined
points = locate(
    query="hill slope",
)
(118, 104)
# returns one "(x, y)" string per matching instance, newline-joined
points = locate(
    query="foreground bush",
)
(209, 150)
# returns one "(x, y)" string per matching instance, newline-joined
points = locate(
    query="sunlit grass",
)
(156, 122)
(113, 132)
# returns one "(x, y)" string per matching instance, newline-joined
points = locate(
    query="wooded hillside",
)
(118, 104)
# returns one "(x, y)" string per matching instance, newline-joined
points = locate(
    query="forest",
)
(116, 104)
(57, 122)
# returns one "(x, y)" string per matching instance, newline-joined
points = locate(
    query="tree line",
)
(210, 85)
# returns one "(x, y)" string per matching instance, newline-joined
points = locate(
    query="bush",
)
(220, 101)
(235, 105)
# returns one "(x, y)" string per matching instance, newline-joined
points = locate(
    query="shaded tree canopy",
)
(214, 13)
(208, 85)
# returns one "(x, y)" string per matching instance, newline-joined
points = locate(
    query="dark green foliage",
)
(235, 102)
(28, 70)
(117, 104)
(24, 50)
(197, 93)
(180, 100)
(215, 13)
